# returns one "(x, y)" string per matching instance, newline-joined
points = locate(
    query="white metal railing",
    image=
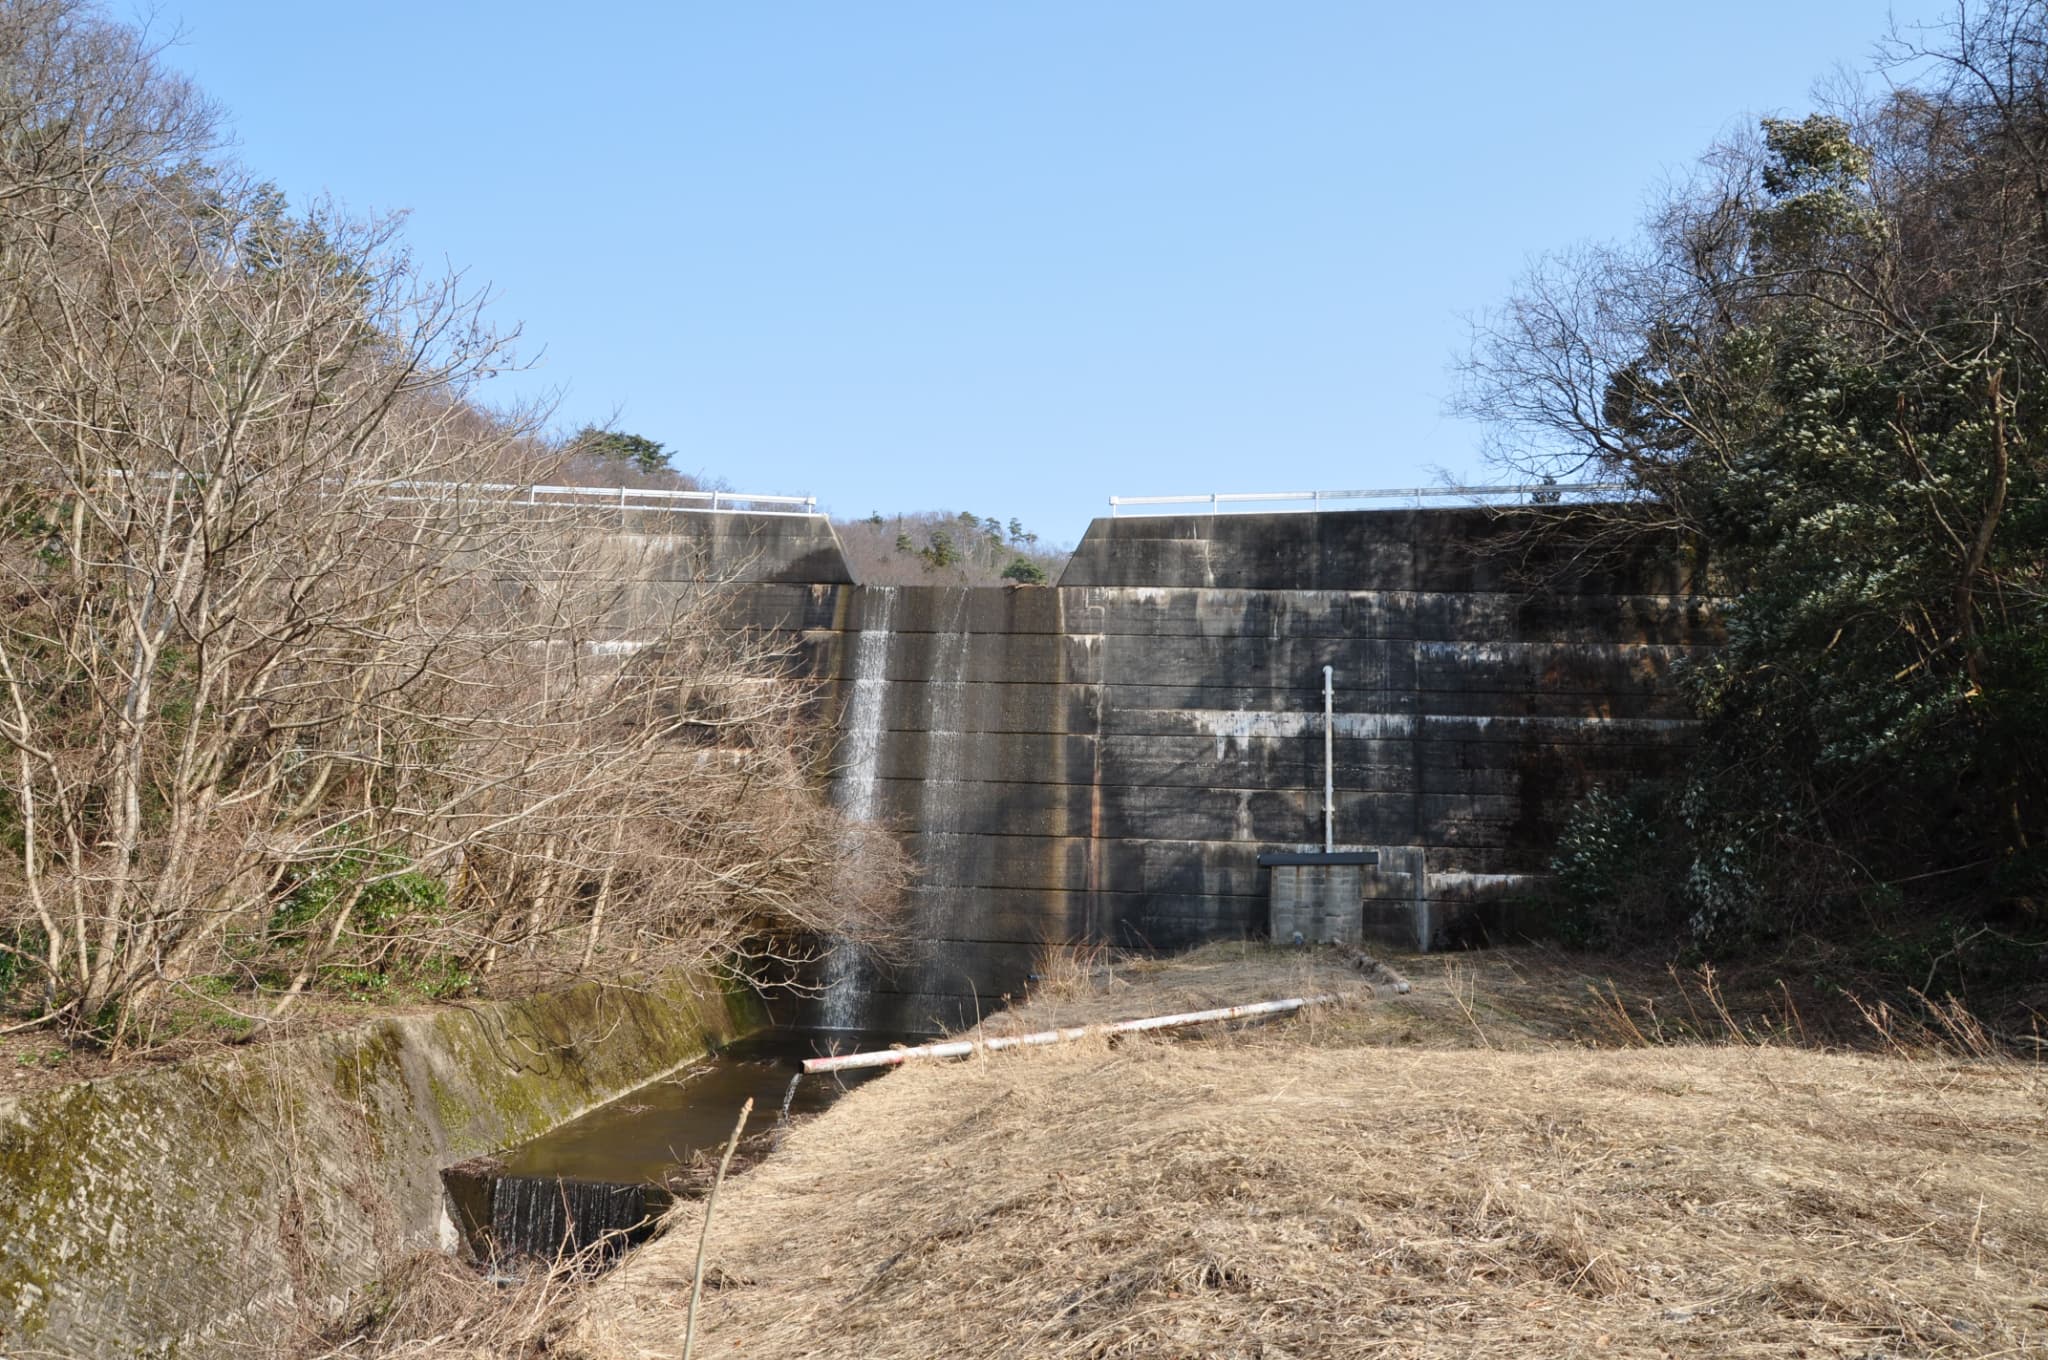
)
(632, 498)
(597, 497)
(1215, 501)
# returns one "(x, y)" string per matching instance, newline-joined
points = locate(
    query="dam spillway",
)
(1103, 760)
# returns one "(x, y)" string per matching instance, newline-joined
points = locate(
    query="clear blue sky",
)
(1006, 257)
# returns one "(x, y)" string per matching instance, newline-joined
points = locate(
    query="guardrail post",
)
(1215, 502)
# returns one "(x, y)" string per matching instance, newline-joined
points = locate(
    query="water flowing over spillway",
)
(928, 725)
(845, 988)
(542, 1216)
(861, 737)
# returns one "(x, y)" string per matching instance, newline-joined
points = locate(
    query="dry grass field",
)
(1493, 1164)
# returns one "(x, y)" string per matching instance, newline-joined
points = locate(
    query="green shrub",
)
(1611, 875)
(1024, 571)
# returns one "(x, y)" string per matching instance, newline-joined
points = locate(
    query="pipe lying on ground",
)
(960, 1048)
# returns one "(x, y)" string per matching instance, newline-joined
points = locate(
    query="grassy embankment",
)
(1521, 1157)
(1492, 1165)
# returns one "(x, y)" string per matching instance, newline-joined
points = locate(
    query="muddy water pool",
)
(599, 1182)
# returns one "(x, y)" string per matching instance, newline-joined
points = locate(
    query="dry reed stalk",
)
(1462, 989)
(704, 1235)
(434, 1307)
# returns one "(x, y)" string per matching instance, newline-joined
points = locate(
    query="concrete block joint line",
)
(1102, 761)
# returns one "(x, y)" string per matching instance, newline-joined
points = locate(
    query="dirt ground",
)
(1511, 1159)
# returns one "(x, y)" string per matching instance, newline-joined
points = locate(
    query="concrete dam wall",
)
(1105, 759)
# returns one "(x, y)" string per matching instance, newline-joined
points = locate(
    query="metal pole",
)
(1329, 771)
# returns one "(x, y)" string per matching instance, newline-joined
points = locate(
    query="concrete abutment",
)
(1104, 759)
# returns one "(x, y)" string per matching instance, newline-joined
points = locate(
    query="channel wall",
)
(210, 1207)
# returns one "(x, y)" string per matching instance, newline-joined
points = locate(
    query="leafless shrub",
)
(292, 684)
(434, 1305)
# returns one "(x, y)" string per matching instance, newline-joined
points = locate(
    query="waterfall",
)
(853, 790)
(861, 744)
(542, 1216)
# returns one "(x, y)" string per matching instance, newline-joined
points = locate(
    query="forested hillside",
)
(293, 695)
(1825, 362)
(938, 548)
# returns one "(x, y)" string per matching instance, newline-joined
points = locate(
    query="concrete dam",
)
(1104, 759)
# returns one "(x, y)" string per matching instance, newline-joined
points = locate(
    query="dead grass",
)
(1091, 986)
(1446, 1174)
(1513, 999)
(434, 1307)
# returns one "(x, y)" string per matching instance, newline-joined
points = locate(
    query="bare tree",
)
(291, 680)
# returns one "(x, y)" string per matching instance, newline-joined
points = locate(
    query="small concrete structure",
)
(1316, 897)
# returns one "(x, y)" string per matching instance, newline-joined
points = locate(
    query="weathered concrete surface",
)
(187, 1210)
(1104, 760)
(736, 547)
(1315, 903)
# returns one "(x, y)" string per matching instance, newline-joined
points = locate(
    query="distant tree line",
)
(1825, 364)
(941, 547)
(596, 455)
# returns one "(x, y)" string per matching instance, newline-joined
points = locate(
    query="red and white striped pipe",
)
(961, 1048)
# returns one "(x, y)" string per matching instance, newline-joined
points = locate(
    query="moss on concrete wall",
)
(176, 1211)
